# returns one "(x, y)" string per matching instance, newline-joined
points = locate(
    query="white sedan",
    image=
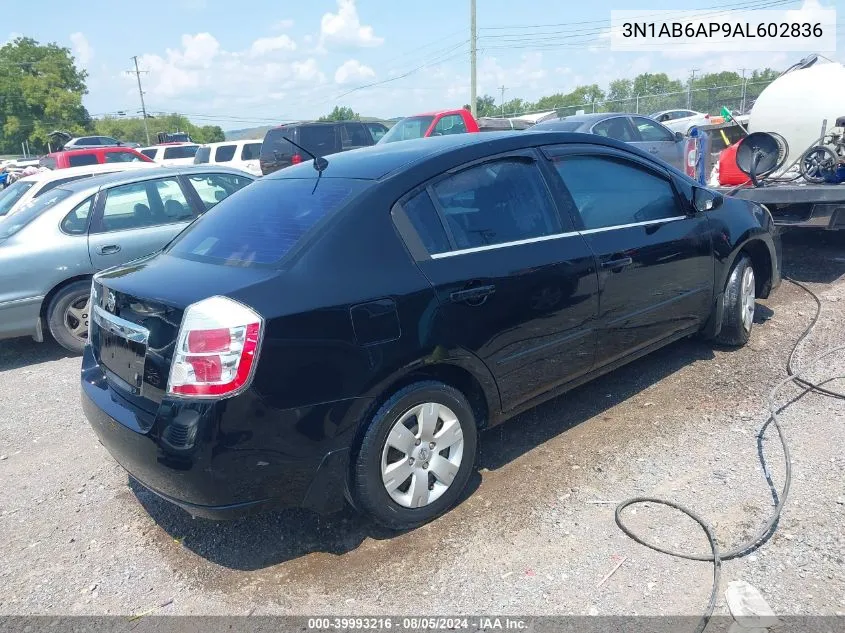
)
(681, 120)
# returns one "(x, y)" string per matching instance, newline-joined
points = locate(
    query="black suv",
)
(321, 138)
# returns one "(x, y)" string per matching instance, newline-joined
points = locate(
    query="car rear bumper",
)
(214, 459)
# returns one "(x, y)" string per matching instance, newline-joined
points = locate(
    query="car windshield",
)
(11, 224)
(261, 223)
(412, 127)
(11, 194)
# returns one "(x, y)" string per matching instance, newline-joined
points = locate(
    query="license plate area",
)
(122, 349)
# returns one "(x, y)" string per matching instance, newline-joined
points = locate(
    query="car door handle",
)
(109, 249)
(472, 294)
(617, 264)
(653, 150)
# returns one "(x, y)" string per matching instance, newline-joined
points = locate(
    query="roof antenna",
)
(320, 163)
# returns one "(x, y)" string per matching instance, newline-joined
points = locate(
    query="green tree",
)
(132, 129)
(485, 106)
(655, 84)
(341, 113)
(41, 90)
(620, 89)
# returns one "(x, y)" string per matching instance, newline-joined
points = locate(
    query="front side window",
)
(651, 131)
(224, 153)
(611, 192)
(412, 127)
(618, 127)
(497, 202)
(213, 188)
(142, 204)
(82, 159)
(451, 124)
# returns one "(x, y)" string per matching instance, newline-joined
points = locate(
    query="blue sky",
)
(260, 62)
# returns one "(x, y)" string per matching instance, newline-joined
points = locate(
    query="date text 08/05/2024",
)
(415, 623)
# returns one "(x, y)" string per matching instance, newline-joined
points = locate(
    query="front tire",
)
(739, 304)
(416, 456)
(68, 316)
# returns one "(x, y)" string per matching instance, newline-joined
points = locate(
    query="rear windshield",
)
(412, 127)
(181, 151)
(11, 224)
(261, 223)
(560, 126)
(319, 139)
(11, 194)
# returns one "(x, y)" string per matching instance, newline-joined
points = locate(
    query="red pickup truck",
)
(431, 124)
(92, 156)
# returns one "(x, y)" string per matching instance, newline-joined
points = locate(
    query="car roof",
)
(105, 168)
(240, 140)
(124, 177)
(91, 150)
(379, 161)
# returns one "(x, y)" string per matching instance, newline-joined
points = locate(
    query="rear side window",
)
(251, 151)
(265, 221)
(355, 135)
(180, 151)
(609, 192)
(498, 202)
(319, 139)
(224, 153)
(76, 222)
(121, 157)
(149, 153)
(426, 223)
(202, 156)
(82, 159)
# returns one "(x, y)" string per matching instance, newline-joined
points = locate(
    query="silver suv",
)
(50, 249)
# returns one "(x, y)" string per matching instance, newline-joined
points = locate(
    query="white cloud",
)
(308, 70)
(344, 28)
(82, 49)
(353, 70)
(282, 25)
(265, 45)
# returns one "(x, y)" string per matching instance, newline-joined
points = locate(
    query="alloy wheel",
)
(748, 298)
(76, 318)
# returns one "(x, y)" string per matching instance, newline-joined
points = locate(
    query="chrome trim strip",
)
(121, 327)
(490, 247)
(627, 226)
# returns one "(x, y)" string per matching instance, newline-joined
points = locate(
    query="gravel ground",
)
(535, 536)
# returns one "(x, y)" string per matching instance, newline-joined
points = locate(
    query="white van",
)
(238, 154)
(171, 153)
(20, 192)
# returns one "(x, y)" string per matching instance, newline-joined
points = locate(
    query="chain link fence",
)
(737, 98)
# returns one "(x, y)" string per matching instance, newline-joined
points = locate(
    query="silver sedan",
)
(50, 249)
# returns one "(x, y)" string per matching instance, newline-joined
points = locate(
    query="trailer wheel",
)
(816, 162)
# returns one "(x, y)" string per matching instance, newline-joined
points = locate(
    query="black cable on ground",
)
(716, 557)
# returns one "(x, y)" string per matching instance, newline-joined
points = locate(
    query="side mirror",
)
(679, 136)
(704, 200)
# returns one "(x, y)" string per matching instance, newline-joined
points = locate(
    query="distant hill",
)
(259, 132)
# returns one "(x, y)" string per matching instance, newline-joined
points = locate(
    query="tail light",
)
(296, 159)
(690, 152)
(216, 350)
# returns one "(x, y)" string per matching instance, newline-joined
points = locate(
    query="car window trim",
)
(92, 199)
(564, 151)
(418, 250)
(95, 226)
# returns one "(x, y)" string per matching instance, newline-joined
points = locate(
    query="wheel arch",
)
(48, 298)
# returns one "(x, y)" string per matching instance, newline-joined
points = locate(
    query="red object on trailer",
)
(729, 171)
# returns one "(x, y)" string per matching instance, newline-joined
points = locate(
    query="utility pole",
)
(502, 88)
(473, 43)
(742, 106)
(689, 87)
(137, 74)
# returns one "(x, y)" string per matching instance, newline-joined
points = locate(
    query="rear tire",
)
(416, 456)
(739, 304)
(68, 316)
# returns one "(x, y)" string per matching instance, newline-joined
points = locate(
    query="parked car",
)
(639, 131)
(346, 331)
(84, 142)
(239, 154)
(439, 123)
(681, 120)
(91, 156)
(22, 191)
(171, 153)
(321, 138)
(50, 249)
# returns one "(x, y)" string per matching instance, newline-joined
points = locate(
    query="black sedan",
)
(343, 329)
